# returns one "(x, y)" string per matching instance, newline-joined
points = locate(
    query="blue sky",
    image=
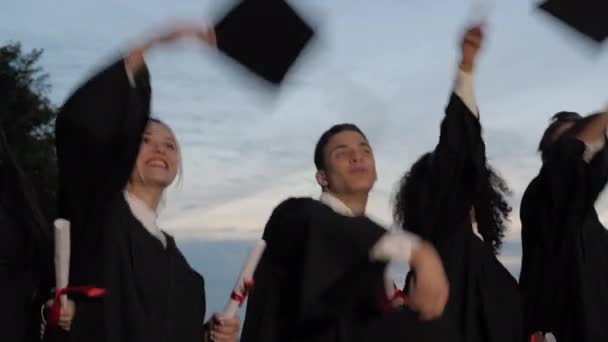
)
(386, 65)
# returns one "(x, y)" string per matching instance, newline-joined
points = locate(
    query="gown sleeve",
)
(456, 162)
(98, 133)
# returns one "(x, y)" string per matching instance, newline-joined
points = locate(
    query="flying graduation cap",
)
(588, 17)
(264, 36)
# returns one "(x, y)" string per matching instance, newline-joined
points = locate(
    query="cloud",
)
(386, 65)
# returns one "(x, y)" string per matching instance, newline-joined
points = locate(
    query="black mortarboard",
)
(585, 16)
(265, 36)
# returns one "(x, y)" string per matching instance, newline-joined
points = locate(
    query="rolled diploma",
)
(62, 256)
(549, 337)
(246, 274)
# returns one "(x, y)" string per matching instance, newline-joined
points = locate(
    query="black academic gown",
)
(315, 282)
(25, 254)
(18, 284)
(152, 294)
(563, 277)
(23, 285)
(484, 299)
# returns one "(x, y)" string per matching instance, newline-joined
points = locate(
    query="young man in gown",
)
(322, 278)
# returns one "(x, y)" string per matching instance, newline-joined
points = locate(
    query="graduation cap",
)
(265, 36)
(585, 16)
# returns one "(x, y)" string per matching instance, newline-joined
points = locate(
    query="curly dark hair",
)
(486, 192)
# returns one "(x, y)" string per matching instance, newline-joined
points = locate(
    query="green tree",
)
(27, 118)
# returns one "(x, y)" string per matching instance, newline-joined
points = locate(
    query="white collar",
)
(146, 216)
(476, 230)
(339, 207)
(592, 149)
(335, 204)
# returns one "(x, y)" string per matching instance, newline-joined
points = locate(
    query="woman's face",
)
(158, 159)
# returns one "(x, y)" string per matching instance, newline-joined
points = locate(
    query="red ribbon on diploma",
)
(55, 312)
(387, 303)
(240, 297)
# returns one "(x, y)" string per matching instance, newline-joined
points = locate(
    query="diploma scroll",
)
(62, 274)
(62, 256)
(549, 337)
(62, 269)
(244, 282)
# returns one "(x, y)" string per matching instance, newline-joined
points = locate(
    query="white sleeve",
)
(130, 76)
(395, 246)
(592, 149)
(463, 87)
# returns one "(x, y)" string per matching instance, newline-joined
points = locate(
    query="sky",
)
(385, 65)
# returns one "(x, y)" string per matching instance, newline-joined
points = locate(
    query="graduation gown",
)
(316, 283)
(152, 294)
(25, 254)
(23, 285)
(565, 247)
(484, 300)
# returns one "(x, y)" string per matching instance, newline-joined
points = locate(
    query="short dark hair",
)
(326, 136)
(557, 120)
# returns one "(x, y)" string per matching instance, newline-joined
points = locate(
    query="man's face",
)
(349, 164)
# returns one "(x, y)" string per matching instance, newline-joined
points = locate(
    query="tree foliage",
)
(27, 118)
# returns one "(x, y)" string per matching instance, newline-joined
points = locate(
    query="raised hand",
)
(186, 30)
(472, 42)
(206, 35)
(172, 34)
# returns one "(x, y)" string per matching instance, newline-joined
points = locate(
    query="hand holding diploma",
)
(66, 313)
(223, 329)
(62, 309)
